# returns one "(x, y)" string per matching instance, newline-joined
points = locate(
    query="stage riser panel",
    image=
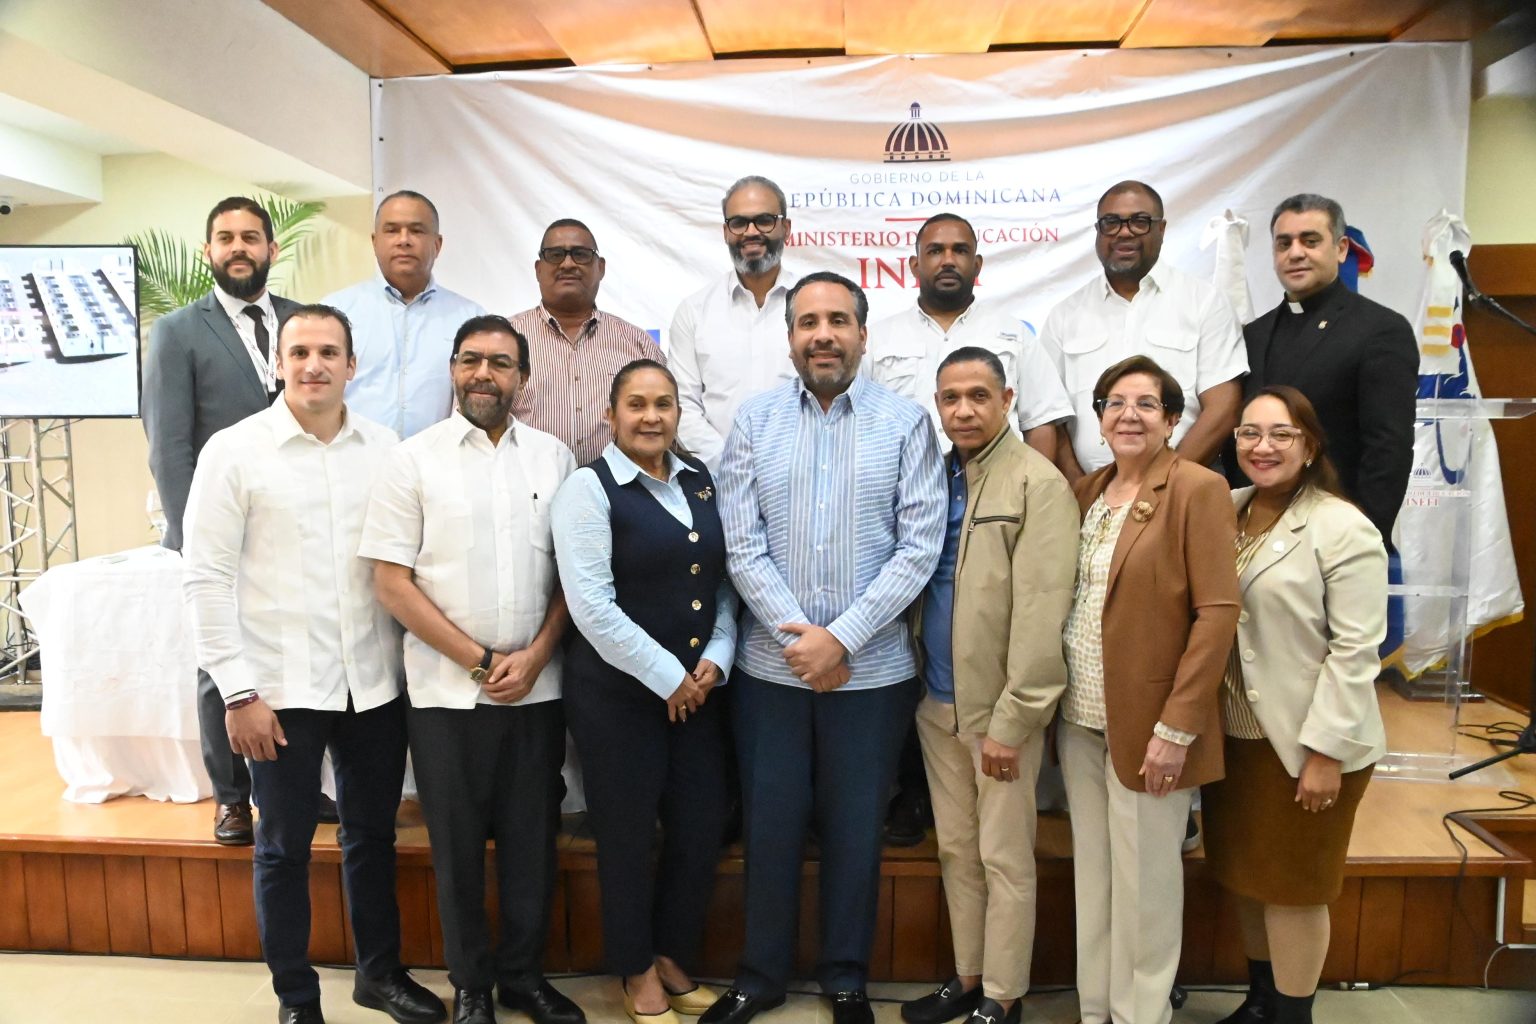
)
(1413, 930)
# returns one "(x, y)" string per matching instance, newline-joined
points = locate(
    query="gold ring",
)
(1167, 778)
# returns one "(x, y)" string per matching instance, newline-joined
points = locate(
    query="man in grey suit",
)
(211, 364)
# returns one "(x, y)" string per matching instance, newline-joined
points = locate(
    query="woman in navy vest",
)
(642, 561)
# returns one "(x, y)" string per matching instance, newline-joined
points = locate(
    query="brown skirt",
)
(1261, 844)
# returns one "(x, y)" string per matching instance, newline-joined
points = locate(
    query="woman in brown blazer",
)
(1152, 622)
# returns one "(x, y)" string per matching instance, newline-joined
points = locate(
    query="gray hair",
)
(1305, 202)
(756, 179)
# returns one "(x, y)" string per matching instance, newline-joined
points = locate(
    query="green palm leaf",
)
(173, 272)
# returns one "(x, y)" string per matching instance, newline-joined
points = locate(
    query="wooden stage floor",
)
(135, 876)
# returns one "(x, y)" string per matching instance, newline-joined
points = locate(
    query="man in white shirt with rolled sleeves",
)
(726, 342)
(459, 531)
(1143, 306)
(905, 350)
(305, 658)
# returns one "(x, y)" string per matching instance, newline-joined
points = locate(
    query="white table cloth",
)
(119, 677)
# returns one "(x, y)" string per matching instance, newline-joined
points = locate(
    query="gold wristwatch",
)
(478, 673)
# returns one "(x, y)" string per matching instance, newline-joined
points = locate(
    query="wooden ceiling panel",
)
(475, 31)
(736, 27)
(624, 31)
(1355, 19)
(358, 31)
(920, 26)
(1071, 21)
(1211, 22)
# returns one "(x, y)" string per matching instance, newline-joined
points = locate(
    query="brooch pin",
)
(1142, 511)
(1321, 324)
(705, 494)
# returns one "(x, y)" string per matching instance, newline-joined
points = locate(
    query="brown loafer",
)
(232, 825)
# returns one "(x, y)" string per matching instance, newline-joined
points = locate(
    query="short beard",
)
(773, 254)
(243, 287)
(485, 421)
(946, 301)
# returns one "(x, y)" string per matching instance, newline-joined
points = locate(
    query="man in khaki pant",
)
(990, 628)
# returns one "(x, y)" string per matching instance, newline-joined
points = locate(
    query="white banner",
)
(1022, 144)
(1456, 493)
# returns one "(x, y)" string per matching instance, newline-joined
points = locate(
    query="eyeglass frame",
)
(569, 251)
(1101, 405)
(1128, 223)
(1291, 435)
(752, 221)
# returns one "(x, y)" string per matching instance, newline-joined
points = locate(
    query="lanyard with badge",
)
(266, 366)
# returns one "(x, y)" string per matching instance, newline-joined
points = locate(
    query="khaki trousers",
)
(1128, 873)
(986, 833)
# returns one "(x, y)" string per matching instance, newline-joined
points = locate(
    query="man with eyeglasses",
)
(1355, 360)
(403, 320)
(725, 344)
(575, 348)
(1144, 307)
(458, 526)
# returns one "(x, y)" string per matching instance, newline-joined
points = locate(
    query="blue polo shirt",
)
(939, 597)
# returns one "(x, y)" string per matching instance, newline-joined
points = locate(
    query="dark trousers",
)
(638, 766)
(368, 749)
(226, 769)
(832, 755)
(491, 772)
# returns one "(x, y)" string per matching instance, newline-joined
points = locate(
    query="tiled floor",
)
(43, 989)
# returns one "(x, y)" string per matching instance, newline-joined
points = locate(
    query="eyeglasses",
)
(469, 359)
(1145, 404)
(555, 255)
(1139, 223)
(764, 222)
(1279, 438)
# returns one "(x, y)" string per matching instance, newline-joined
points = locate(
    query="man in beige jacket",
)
(990, 627)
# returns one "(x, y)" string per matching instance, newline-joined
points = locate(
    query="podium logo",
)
(916, 141)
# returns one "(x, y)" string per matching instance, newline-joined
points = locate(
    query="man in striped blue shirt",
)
(833, 501)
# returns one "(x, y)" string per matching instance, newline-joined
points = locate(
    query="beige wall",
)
(147, 191)
(1501, 168)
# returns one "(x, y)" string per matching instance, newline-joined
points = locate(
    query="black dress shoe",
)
(329, 815)
(232, 825)
(948, 1001)
(736, 1007)
(304, 1013)
(400, 996)
(473, 1006)
(908, 817)
(545, 1004)
(990, 1011)
(851, 1008)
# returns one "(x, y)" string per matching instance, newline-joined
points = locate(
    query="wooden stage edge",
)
(137, 877)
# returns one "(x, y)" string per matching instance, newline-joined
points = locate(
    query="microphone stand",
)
(1526, 743)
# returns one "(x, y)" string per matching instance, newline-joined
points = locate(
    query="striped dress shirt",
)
(834, 518)
(568, 389)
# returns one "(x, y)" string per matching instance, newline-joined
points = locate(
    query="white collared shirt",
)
(724, 349)
(472, 521)
(279, 604)
(1185, 324)
(244, 326)
(905, 352)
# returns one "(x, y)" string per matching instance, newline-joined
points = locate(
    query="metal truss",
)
(37, 484)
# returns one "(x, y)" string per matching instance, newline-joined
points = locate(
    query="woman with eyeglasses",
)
(642, 559)
(1298, 702)
(1152, 621)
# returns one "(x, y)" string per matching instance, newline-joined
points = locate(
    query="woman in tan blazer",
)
(1298, 702)
(1147, 641)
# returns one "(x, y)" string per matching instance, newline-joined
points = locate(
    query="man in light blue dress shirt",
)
(404, 321)
(833, 501)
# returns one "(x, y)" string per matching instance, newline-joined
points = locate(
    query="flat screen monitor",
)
(69, 331)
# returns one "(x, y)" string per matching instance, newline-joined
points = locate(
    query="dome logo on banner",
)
(916, 139)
